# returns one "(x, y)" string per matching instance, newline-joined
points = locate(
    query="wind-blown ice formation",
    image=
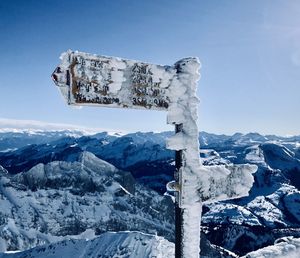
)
(86, 79)
(196, 182)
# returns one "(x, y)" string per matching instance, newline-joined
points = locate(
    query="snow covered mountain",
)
(271, 211)
(139, 153)
(68, 198)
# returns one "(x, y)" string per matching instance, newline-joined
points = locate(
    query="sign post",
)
(178, 210)
(86, 79)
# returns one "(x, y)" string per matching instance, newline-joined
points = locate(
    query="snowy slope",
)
(288, 247)
(107, 245)
(114, 245)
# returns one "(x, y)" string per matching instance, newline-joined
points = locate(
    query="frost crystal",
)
(196, 182)
(183, 110)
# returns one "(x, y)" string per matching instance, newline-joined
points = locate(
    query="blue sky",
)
(249, 50)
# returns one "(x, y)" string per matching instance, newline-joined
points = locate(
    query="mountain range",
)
(64, 185)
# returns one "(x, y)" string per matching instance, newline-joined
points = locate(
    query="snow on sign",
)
(86, 79)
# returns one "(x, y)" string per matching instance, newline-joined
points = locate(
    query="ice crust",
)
(183, 110)
(198, 183)
(226, 181)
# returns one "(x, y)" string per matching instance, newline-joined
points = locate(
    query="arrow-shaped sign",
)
(223, 182)
(86, 79)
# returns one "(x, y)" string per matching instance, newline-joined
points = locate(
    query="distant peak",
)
(89, 159)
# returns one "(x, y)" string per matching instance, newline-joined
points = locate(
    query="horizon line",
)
(23, 125)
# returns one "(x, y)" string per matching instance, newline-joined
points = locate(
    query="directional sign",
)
(86, 79)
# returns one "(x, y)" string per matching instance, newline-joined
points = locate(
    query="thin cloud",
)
(34, 125)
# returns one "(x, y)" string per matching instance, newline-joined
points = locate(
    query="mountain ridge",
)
(268, 213)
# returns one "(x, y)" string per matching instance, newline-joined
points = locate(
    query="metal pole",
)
(178, 210)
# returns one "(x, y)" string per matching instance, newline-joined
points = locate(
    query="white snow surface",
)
(107, 245)
(287, 247)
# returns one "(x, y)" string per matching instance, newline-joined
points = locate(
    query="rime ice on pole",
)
(183, 110)
(198, 183)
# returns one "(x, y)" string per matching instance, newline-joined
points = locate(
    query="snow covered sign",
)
(86, 79)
